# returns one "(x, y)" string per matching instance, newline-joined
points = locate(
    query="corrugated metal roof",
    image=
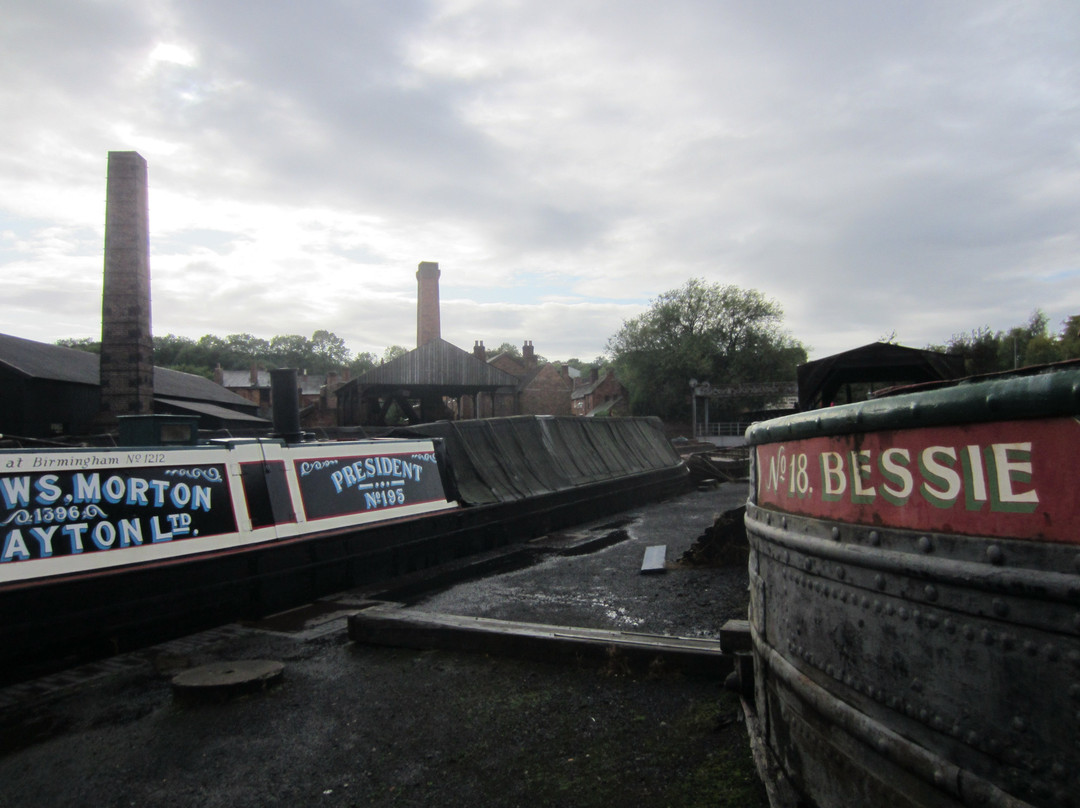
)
(437, 364)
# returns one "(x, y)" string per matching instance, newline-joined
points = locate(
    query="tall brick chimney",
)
(427, 302)
(127, 347)
(479, 351)
(528, 355)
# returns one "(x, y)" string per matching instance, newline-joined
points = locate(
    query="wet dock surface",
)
(357, 724)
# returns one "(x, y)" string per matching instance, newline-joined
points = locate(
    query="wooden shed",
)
(425, 384)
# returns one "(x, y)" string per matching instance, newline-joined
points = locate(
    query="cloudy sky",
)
(876, 168)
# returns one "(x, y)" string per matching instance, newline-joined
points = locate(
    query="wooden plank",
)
(735, 636)
(405, 628)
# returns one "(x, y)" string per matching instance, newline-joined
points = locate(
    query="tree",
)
(210, 351)
(505, 348)
(393, 352)
(985, 351)
(291, 351)
(601, 363)
(362, 363)
(330, 351)
(171, 350)
(710, 332)
(88, 344)
(979, 349)
(323, 353)
(243, 349)
(1070, 338)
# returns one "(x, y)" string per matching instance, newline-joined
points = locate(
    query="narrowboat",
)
(915, 597)
(106, 548)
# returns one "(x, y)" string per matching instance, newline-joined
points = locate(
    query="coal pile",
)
(723, 544)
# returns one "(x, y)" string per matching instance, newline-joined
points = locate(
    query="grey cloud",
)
(874, 167)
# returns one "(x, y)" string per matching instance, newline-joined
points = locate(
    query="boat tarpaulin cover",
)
(506, 459)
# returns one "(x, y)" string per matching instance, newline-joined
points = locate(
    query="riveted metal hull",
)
(915, 599)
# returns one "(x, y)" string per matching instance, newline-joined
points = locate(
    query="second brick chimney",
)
(427, 302)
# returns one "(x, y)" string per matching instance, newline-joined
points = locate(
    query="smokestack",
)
(427, 302)
(127, 347)
(479, 351)
(528, 354)
(285, 403)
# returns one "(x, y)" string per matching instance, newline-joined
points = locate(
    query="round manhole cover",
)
(222, 679)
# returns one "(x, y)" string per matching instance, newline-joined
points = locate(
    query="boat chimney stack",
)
(285, 404)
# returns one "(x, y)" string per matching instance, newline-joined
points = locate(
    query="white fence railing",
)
(721, 429)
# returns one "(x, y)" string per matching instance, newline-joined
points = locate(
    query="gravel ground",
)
(354, 725)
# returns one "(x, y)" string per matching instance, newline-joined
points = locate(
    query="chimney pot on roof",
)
(478, 350)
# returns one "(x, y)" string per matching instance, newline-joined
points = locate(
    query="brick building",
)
(600, 396)
(541, 389)
(318, 392)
